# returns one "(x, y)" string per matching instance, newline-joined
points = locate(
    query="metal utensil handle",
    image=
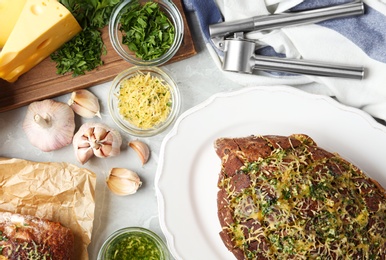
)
(306, 67)
(269, 22)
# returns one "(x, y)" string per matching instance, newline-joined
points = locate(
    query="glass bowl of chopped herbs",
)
(146, 32)
(144, 100)
(134, 243)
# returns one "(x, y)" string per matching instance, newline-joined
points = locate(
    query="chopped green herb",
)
(91, 13)
(83, 52)
(146, 30)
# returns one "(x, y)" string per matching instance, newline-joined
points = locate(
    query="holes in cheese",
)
(7, 57)
(43, 26)
(36, 9)
(44, 43)
(16, 71)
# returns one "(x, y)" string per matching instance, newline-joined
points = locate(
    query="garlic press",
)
(239, 52)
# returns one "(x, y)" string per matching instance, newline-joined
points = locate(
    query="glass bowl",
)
(144, 101)
(134, 243)
(169, 9)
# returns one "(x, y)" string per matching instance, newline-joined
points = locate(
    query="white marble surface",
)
(198, 78)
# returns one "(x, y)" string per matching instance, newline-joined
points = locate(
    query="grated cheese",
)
(305, 214)
(144, 100)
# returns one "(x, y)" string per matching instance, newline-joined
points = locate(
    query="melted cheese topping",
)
(144, 101)
(295, 206)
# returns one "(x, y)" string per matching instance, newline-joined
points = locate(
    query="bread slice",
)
(28, 237)
(286, 198)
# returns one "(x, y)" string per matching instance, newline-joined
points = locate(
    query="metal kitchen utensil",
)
(240, 57)
(239, 53)
(218, 32)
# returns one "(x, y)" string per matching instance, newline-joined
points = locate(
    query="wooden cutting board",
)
(42, 82)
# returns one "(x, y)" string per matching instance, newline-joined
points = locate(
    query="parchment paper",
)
(59, 192)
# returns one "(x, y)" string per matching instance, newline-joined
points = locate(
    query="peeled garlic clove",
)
(84, 103)
(102, 140)
(123, 182)
(142, 150)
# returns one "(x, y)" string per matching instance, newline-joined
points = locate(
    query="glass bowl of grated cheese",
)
(144, 101)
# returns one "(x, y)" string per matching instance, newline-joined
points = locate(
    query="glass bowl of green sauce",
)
(146, 32)
(133, 243)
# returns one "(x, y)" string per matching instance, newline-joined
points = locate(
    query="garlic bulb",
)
(96, 139)
(84, 103)
(123, 182)
(142, 150)
(49, 124)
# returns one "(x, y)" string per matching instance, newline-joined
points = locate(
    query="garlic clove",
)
(121, 187)
(100, 132)
(83, 142)
(142, 150)
(124, 173)
(84, 103)
(89, 132)
(123, 182)
(114, 139)
(103, 151)
(84, 154)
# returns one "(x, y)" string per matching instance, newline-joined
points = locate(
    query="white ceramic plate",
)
(187, 174)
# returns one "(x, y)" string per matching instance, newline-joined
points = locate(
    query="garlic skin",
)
(49, 124)
(96, 139)
(142, 150)
(84, 103)
(123, 182)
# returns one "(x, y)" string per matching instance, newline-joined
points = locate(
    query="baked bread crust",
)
(286, 198)
(28, 237)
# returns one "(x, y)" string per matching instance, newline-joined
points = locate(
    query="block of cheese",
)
(9, 13)
(43, 26)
